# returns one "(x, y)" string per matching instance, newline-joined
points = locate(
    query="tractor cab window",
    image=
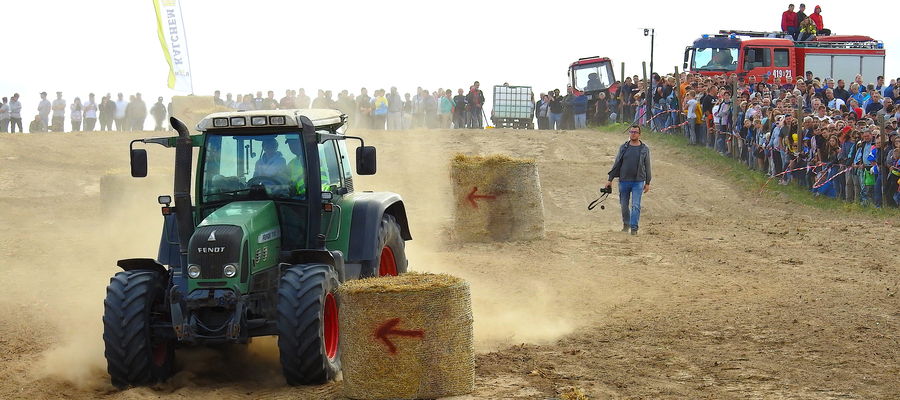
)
(329, 165)
(233, 165)
(714, 59)
(593, 77)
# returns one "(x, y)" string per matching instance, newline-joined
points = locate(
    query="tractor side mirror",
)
(365, 160)
(138, 163)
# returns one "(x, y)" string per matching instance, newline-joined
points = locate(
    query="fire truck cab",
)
(769, 55)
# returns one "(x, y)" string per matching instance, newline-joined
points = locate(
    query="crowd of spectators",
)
(382, 110)
(831, 139)
(112, 114)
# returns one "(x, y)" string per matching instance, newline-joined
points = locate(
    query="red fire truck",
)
(769, 55)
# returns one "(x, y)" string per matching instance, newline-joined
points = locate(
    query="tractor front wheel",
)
(307, 323)
(134, 357)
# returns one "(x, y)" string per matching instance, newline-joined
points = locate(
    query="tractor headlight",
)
(194, 271)
(230, 270)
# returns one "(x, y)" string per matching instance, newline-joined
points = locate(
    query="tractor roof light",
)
(258, 120)
(220, 122)
(238, 121)
(277, 120)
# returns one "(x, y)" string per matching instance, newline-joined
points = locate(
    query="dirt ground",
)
(725, 294)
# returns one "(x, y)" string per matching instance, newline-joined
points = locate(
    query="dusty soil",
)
(725, 294)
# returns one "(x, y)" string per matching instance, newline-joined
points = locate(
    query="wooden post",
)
(734, 114)
(882, 158)
(648, 107)
(621, 97)
(678, 98)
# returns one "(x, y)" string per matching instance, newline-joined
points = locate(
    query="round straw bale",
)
(498, 198)
(406, 337)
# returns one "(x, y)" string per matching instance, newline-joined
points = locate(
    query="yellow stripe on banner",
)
(162, 42)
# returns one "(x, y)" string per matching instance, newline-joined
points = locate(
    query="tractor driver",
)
(594, 82)
(271, 162)
(296, 170)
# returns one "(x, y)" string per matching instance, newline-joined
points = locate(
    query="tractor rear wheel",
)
(392, 254)
(134, 357)
(307, 323)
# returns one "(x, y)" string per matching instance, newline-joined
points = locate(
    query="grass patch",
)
(750, 180)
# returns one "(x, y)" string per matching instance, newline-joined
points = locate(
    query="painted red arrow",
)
(472, 197)
(387, 329)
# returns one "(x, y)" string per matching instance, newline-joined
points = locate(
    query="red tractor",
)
(592, 76)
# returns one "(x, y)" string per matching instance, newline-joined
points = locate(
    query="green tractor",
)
(276, 227)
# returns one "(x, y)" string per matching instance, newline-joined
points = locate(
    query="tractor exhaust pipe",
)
(182, 189)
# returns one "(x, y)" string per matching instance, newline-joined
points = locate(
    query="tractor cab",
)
(591, 75)
(270, 156)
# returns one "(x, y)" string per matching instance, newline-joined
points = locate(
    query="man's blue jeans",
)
(580, 121)
(555, 120)
(630, 193)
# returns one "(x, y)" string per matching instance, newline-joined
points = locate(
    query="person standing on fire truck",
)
(789, 22)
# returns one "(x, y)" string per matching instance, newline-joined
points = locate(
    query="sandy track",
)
(724, 295)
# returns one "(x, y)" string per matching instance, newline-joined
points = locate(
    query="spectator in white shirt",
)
(76, 114)
(15, 114)
(90, 113)
(119, 116)
(59, 113)
(44, 109)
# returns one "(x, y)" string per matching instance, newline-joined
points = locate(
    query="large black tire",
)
(392, 246)
(307, 324)
(134, 299)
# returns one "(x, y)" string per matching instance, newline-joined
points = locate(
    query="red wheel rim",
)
(388, 264)
(331, 327)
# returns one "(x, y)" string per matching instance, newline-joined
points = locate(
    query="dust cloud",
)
(71, 232)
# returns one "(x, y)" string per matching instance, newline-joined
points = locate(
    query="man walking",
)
(632, 167)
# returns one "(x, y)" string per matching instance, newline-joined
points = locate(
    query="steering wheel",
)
(264, 180)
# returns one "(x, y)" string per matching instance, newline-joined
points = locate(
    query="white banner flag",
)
(174, 43)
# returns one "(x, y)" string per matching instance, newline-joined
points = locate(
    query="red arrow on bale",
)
(388, 328)
(472, 197)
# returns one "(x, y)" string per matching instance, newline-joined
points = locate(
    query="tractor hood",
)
(243, 234)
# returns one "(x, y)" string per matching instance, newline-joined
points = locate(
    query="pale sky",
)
(244, 46)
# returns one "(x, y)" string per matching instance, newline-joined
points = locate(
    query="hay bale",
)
(406, 337)
(192, 109)
(498, 198)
